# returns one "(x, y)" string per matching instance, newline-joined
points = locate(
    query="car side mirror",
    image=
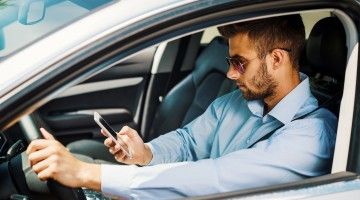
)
(31, 11)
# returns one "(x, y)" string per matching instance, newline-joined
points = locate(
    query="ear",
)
(277, 58)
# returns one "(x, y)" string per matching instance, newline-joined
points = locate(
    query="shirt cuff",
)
(117, 179)
(154, 159)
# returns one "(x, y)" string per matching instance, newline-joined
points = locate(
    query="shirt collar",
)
(285, 110)
(256, 107)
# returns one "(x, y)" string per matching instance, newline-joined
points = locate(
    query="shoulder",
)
(320, 126)
(234, 96)
(229, 102)
(322, 118)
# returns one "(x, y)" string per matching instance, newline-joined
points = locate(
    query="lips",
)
(240, 85)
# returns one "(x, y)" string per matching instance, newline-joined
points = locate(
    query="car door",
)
(346, 123)
(116, 93)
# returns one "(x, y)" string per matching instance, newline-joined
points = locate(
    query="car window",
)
(310, 18)
(209, 34)
(23, 22)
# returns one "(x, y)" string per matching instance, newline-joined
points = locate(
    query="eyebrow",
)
(238, 56)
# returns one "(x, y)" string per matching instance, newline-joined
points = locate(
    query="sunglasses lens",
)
(236, 64)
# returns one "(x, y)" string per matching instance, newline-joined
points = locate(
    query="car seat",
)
(326, 54)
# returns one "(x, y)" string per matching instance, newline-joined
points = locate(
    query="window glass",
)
(209, 34)
(310, 18)
(24, 21)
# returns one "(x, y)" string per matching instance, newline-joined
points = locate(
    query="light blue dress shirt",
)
(211, 154)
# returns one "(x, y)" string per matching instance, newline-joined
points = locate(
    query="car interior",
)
(193, 94)
(160, 89)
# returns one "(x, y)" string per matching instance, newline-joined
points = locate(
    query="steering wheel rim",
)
(64, 193)
(60, 191)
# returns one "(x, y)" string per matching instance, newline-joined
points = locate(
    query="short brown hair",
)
(286, 32)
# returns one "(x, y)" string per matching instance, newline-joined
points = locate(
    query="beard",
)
(264, 85)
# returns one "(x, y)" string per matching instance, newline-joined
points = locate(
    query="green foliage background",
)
(3, 3)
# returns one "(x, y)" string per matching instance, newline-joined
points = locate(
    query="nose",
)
(232, 73)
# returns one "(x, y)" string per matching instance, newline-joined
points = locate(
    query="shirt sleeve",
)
(193, 141)
(291, 155)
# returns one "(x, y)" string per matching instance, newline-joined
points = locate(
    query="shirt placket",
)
(240, 140)
(266, 127)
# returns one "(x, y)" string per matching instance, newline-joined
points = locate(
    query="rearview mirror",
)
(31, 11)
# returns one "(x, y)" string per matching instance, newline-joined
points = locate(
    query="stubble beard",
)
(263, 82)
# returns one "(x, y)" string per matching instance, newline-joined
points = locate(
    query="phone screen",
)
(108, 127)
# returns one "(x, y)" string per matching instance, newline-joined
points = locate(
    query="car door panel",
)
(115, 93)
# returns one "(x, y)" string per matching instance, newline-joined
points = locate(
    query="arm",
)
(290, 155)
(190, 143)
(50, 159)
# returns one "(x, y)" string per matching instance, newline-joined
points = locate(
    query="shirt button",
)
(247, 141)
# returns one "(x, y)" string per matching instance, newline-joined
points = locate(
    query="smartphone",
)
(110, 132)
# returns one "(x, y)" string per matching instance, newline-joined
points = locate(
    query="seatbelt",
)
(266, 136)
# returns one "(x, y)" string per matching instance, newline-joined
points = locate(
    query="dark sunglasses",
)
(240, 65)
(237, 63)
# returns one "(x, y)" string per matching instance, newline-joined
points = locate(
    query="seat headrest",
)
(213, 57)
(326, 49)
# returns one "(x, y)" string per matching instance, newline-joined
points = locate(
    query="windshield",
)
(24, 21)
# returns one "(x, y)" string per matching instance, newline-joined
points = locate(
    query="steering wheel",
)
(60, 191)
(63, 192)
(23, 180)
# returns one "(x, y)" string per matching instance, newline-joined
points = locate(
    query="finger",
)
(114, 149)
(120, 156)
(40, 166)
(46, 134)
(131, 133)
(37, 145)
(117, 147)
(103, 132)
(120, 142)
(38, 156)
(46, 173)
(109, 142)
(121, 146)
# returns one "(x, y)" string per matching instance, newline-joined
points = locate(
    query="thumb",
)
(46, 134)
(131, 133)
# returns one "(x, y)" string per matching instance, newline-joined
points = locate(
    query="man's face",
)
(254, 81)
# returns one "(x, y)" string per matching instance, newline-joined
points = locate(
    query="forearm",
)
(174, 180)
(166, 149)
(148, 155)
(90, 176)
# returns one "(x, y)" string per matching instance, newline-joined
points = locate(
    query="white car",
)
(132, 62)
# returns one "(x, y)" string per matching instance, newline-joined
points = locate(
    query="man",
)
(270, 131)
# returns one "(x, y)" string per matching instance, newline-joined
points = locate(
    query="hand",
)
(51, 160)
(141, 153)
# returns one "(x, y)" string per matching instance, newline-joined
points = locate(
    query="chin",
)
(249, 96)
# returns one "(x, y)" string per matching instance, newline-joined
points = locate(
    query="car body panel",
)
(341, 185)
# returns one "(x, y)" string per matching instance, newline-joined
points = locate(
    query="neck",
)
(284, 87)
